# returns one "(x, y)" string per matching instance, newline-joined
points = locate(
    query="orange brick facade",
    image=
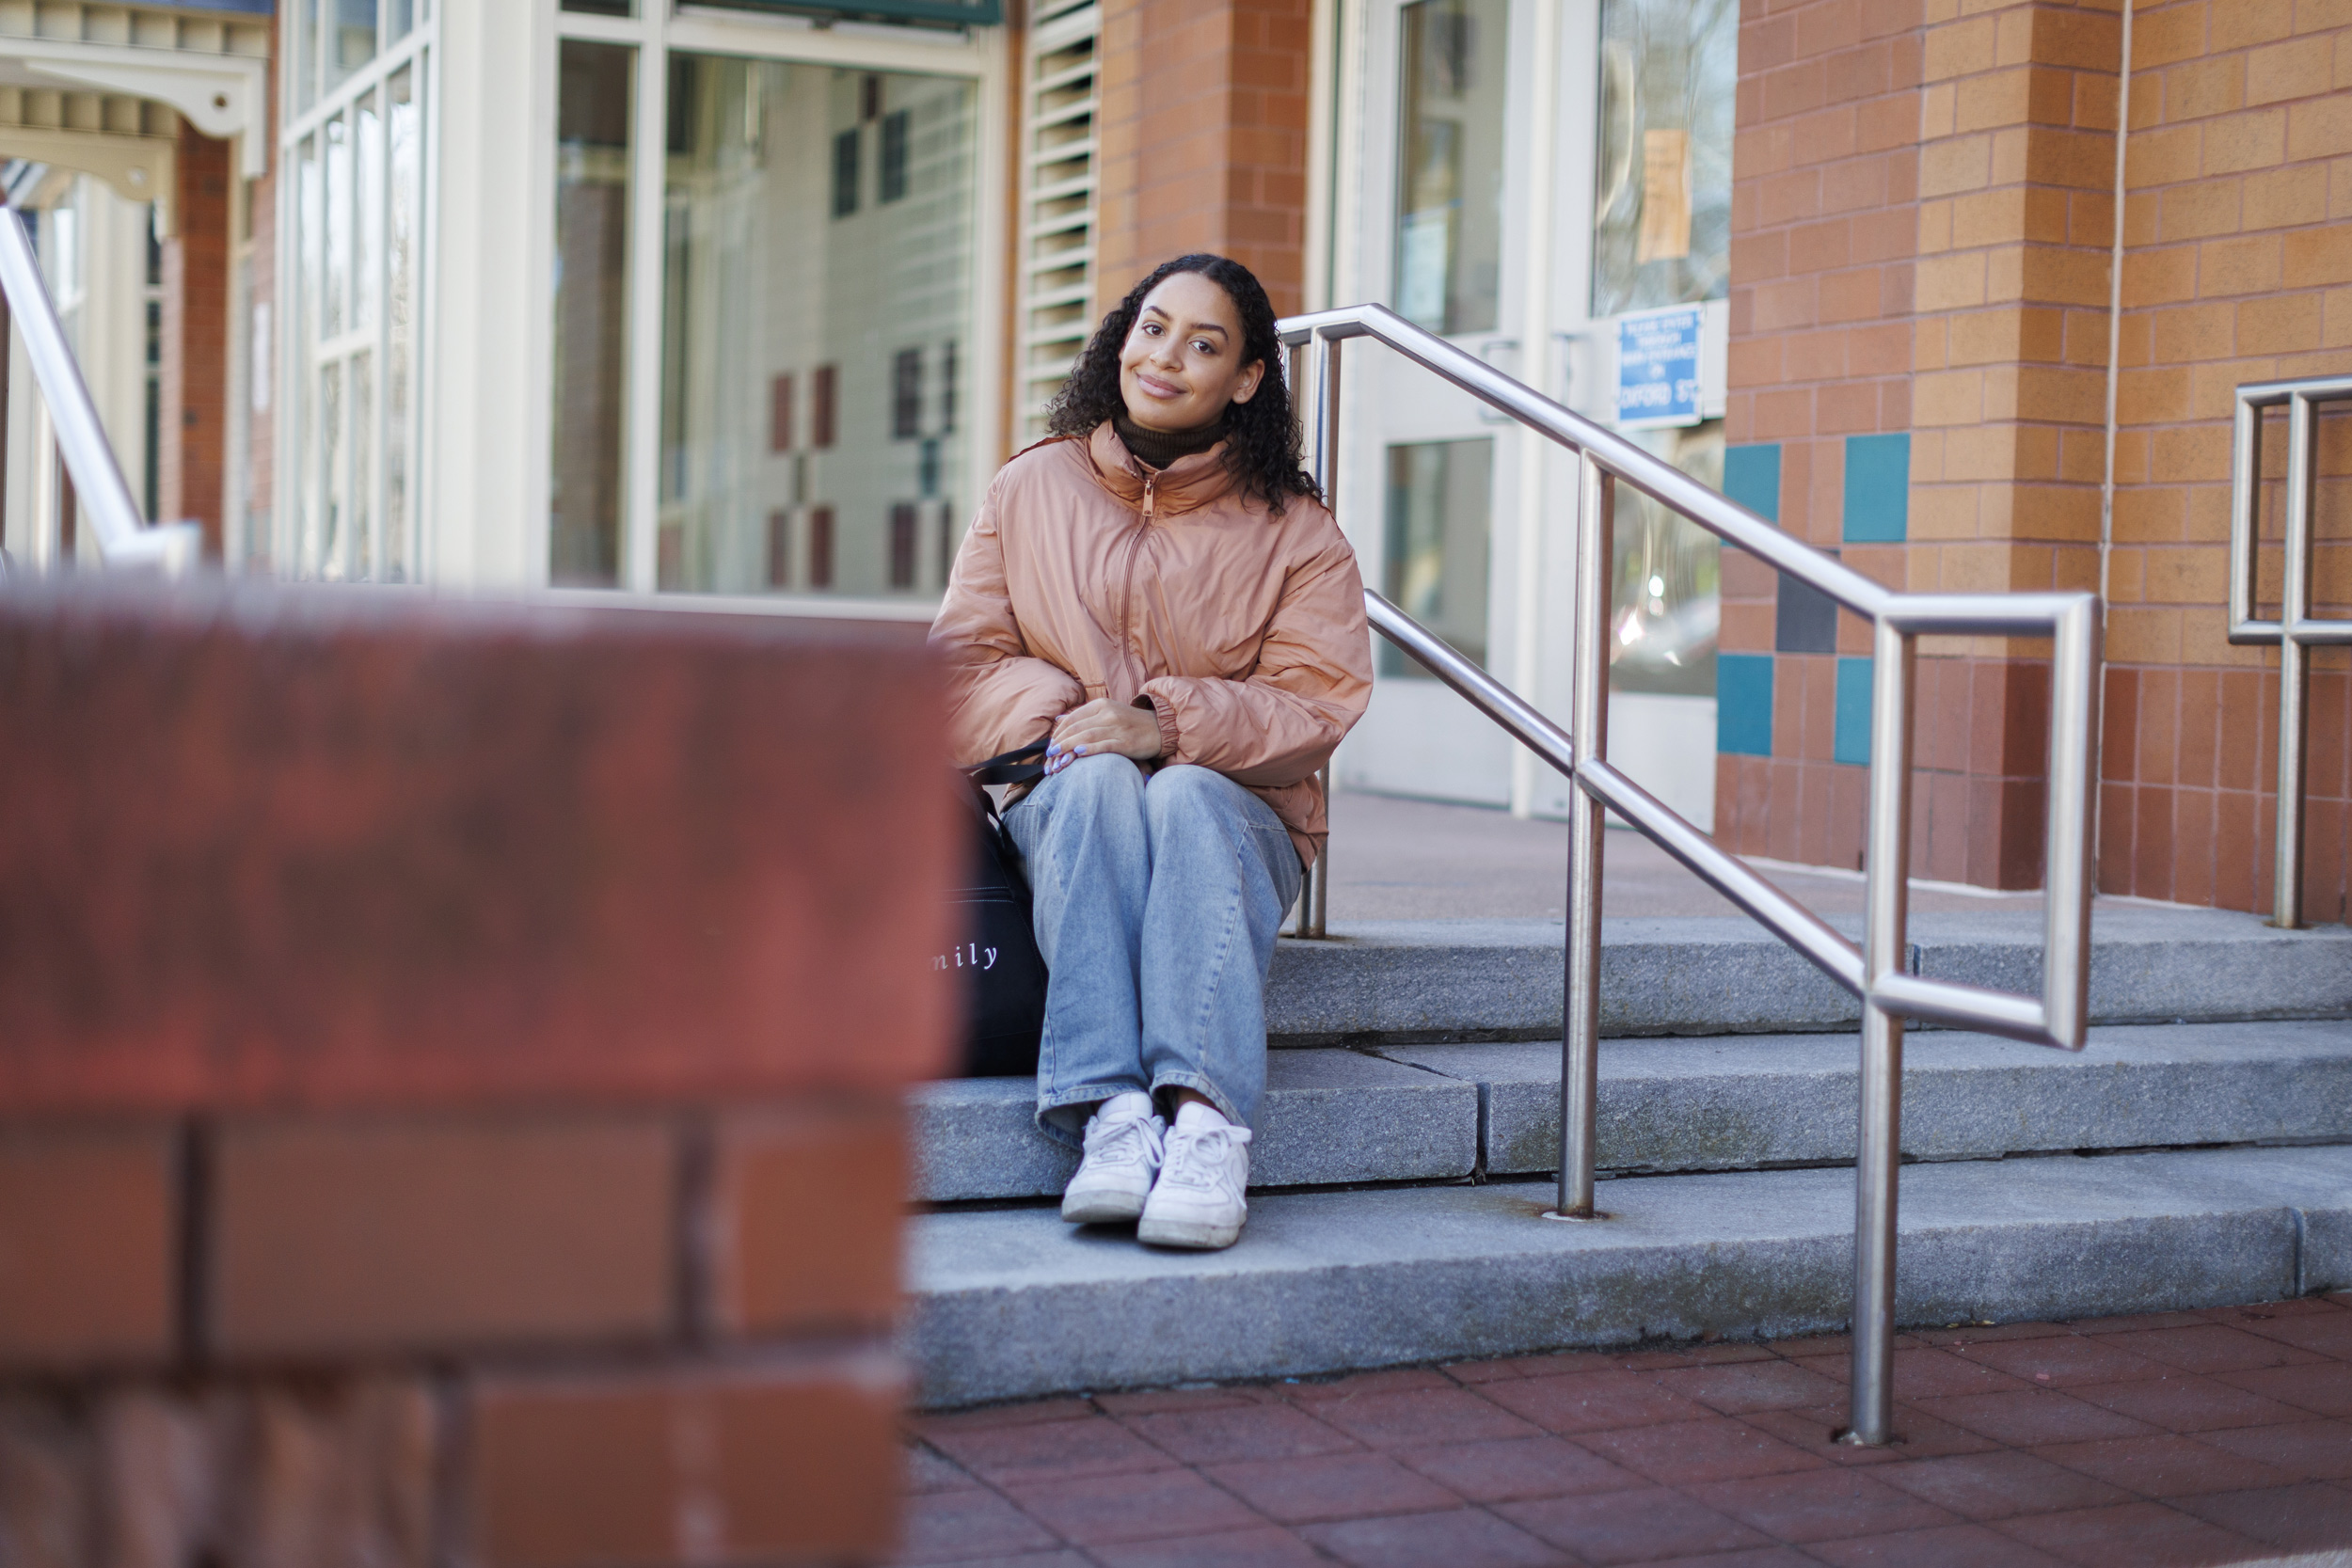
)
(1924, 222)
(1205, 139)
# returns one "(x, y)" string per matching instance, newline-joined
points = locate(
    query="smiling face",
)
(1181, 362)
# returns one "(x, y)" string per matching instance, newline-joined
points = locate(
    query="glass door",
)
(1426, 475)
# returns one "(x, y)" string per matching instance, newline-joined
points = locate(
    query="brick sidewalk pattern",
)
(2183, 1438)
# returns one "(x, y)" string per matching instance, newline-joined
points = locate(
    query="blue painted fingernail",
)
(1080, 750)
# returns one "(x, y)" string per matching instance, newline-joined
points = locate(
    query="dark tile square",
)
(1821, 1505)
(2309, 1517)
(2164, 1466)
(2187, 1403)
(2317, 1450)
(1418, 1417)
(1685, 1453)
(1592, 1401)
(2324, 1388)
(1047, 1450)
(1466, 1538)
(1517, 1470)
(1925, 1373)
(2129, 1535)
(2211, 1347)
(1917, 1435)
(941, 1526)
(1945, 1547)
(1097, 1509)
(2032, 1415)
(1631, 1527)
(2000, 1484)
(1246, 1432)
(926, 1469)
(1330, 1487)
(1768, 1385)
(2064, 1360)
(1268, 1546)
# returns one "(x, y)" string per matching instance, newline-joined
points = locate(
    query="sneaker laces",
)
(1196, 1157)
(1109, 1143)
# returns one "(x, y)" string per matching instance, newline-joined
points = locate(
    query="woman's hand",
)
(1103, 728)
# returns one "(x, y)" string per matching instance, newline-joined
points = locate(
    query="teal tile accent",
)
(1877, 488)
(1752, 478)
(1853, 741)
(1743, 704)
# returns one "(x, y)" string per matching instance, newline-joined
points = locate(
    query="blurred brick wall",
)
(297, 1273)
(1204, 125)
(2238, 269)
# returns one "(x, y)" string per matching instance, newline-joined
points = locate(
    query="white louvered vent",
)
(1061, 169)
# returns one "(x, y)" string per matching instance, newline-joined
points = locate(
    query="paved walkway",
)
(1395, 858)
(2188, 1439)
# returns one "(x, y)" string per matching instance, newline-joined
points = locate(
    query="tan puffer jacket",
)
(1088, 574)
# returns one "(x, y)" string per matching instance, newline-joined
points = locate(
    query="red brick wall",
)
(523, 1282)
(2239, 186)
(1824, 231)
(1203, 126)
(196, 340)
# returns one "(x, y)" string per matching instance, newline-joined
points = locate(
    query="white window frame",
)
(297, 402)
(978, 54)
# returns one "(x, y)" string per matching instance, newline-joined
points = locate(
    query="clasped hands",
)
(1102, 727)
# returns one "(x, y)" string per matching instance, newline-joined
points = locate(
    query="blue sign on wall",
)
(1657, 366)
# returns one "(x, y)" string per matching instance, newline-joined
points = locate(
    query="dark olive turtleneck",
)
(1157, 449)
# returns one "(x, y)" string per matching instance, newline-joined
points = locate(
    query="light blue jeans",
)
(1158, 900)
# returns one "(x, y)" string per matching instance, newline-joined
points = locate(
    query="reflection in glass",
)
(592, 158)
(1661, 224)
(309, 248)
(808, 243)
(338, 136)
(1666, 600)
(1434, 565)
(351, 41)
(370, 194)
(1449, 178)
(400, 306)
(361, 554)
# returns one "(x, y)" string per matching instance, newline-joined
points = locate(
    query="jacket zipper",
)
(1127, 583)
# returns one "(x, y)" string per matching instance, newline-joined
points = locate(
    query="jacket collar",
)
(1183, 485)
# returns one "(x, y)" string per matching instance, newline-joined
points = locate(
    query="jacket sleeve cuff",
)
(1167, 716)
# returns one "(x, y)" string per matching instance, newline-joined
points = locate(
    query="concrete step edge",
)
(1013, 1305)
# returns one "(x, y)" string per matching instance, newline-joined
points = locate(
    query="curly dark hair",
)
(1262, 445)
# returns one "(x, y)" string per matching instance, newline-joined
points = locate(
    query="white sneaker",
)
(1198, 1200)
(1122, 1155)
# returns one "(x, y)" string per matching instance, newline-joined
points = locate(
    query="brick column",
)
(1205, 139)
(195, 377)
(1932, 195)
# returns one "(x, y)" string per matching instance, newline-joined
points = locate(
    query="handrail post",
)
(2295, 661)
(1579, 1037)
(1323, 447)
(1878, 1144)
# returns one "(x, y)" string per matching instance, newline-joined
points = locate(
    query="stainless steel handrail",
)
(100, 490)
(1876, 971)
(2296, 632)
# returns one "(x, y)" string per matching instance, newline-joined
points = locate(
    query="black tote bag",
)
(996, 955)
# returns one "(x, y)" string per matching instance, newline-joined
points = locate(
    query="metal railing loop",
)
(2297, 631)
(101, 492)
(1875, 971)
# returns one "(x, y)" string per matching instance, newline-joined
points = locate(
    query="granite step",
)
(1436, 1112)
(1382, 982)
(1011, 1304)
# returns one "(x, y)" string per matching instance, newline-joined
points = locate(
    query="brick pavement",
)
(2223, 1436)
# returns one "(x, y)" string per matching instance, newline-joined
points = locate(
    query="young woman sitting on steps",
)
(1160, 590)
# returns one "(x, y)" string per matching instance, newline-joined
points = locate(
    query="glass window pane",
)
(352, 44)
(331, 477)
(595, 115)
(361, 528)
(338, 287)
(1451, 64)
(309, 241)
(368, 193)
(1434, 561)
(1661, 222)
(784, 267)
(302, 53)
(601, 8)
(1667, 598)
(407, 175)
(399, 17)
